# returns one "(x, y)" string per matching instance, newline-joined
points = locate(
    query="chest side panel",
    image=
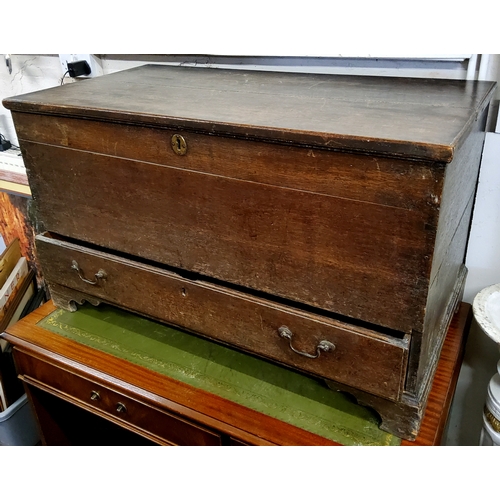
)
(451, 243)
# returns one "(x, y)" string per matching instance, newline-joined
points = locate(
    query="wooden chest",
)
(319, 221)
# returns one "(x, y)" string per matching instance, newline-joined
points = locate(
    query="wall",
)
(35, 72)
(29, 73)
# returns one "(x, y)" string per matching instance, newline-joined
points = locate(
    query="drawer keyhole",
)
(121, 408)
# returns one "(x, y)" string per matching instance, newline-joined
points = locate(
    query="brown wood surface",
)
(451, 242)
(375, 179)
(142, 418)
(460, 185)
(234, 318)
(412, 117)
(447, 288)
(241, 424)
(62, 423)
(425, 419)
(362, 260)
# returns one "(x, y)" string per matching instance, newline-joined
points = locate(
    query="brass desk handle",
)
(95, 396)
(121, 408)
(99, 275)
(324, 345)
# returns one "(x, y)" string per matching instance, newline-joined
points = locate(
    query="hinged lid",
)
(410, 117)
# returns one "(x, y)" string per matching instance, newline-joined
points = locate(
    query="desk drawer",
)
(114, 405)
(355, 356)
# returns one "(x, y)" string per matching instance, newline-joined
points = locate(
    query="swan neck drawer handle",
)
(99, 275)
(323, 346)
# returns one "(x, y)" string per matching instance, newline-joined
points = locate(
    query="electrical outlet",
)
(93, 61)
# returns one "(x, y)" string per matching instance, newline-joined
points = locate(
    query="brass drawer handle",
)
(95, 396)
(121, 408)
(324, 345)
(99, 275)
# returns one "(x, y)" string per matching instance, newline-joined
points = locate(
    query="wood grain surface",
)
(413, 117)
(359, 259)
(138, 416)
(395, 182)
(236, 318)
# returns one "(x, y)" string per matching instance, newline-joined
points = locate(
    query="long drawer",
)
(352, 234)
(308, 341)
(158, 425)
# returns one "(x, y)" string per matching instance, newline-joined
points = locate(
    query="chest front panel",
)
(348, 241)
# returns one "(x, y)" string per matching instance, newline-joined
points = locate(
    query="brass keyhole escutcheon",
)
(178, 144)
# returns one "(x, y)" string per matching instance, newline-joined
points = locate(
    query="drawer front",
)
(357, 258)
(124, 410)
(253, 324)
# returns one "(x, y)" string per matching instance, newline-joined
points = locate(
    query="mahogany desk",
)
(83, 395)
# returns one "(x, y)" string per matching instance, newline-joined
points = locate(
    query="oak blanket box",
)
(319, 221)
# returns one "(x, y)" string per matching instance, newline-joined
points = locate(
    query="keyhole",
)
(178, 144)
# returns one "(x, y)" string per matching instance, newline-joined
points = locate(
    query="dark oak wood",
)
(410, 117)
(329, 252)
(234, 318)
(374, 179)
(343, 198)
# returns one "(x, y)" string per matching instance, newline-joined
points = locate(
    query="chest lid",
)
(409, 117)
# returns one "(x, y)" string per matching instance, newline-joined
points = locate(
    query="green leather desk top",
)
(255, 383)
